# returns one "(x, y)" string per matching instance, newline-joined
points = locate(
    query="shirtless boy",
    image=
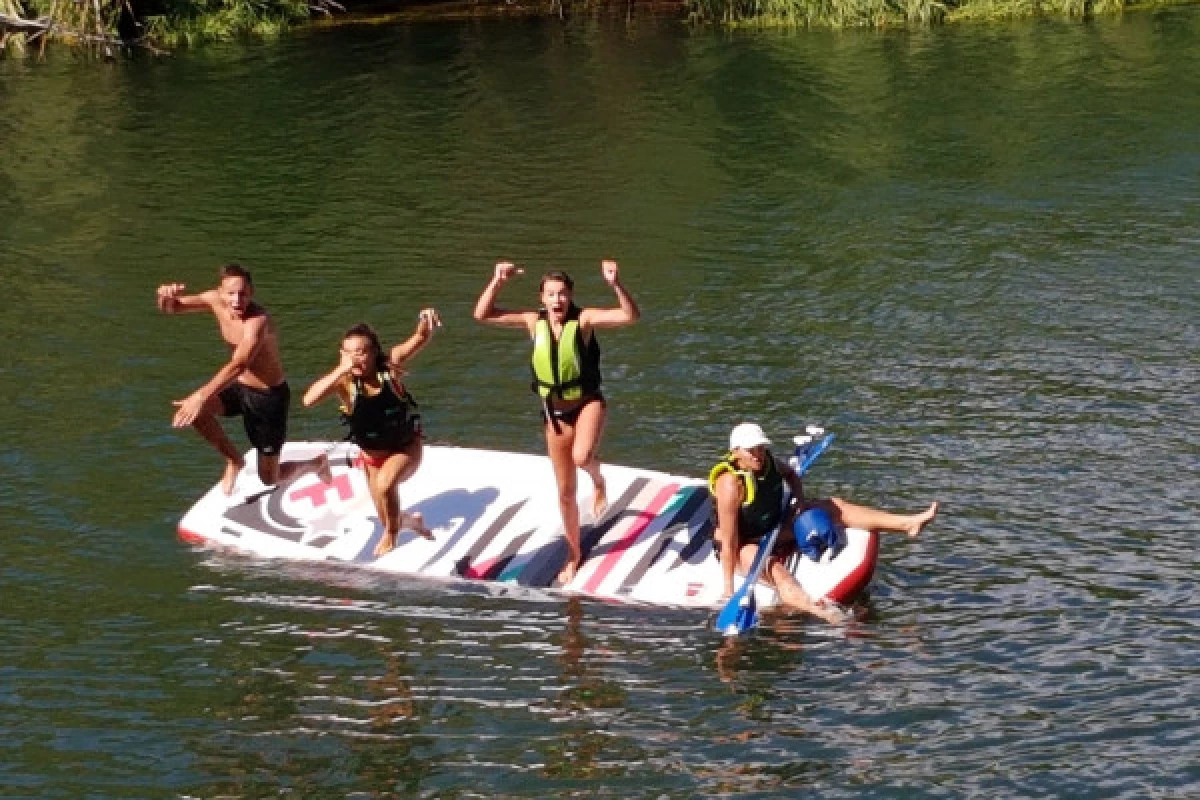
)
(251, 384)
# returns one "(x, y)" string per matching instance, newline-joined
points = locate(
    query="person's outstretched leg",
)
(269, 470)
(207, 425)
(589, 427)
(792, 595)
(873, 519)
(388, 541)
(397, 468)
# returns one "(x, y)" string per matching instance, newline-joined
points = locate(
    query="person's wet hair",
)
(557, 275)
(367, 332)
(236, 271)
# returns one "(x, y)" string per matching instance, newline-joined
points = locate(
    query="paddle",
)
(740, 613)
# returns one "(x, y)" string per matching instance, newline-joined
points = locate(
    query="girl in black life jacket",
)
(382, 416)
(566, 376)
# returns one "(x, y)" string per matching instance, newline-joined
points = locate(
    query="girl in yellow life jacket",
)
(566, 376)
(762, 495)
(747, 488)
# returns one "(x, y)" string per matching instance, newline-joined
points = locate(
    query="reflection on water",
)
(970, 252)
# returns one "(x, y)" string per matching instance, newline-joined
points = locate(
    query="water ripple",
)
(969, 252)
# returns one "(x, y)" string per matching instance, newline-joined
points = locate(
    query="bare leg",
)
(390, 504)
(558, 445)
(589, 427)
(873, 519)
(268, 469)
(207, 426)
(381, 509)
(322, 469)
(791, 594)
(397, 468)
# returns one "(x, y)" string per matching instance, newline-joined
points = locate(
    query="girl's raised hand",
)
(427, 321)
(346, 362)
(506, 270)
(608, 268)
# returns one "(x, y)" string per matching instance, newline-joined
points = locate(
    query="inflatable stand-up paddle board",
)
(495, 517)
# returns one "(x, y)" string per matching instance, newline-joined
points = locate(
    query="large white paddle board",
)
(495, 517)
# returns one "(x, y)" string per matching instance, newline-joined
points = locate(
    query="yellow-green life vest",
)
(762, 507)
(565, 368)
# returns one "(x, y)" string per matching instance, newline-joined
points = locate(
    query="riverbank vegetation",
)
(107, 26)
(892, 13)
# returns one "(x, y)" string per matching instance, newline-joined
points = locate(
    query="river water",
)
(971, 252)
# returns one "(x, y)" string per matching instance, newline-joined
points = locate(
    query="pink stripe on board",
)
(479, 571)
(644, 518)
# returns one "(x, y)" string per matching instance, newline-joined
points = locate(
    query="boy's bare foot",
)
(229, 477)
(919, 521)
(386, 545)
(292, 469)
(324, 473)
(416, 523)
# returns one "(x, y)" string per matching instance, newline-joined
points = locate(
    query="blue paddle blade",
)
(740, 614)
(747, 616)
(737, 619)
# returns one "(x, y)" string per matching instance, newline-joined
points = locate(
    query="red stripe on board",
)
(851, 585)
(190, 537)
(643, 520)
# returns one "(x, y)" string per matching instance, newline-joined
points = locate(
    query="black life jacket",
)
(385, 421)
(762, 507)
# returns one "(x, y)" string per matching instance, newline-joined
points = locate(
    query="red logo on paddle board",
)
(308, 509)
(317, 492)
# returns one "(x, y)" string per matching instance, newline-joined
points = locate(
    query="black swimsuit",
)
(568, 416)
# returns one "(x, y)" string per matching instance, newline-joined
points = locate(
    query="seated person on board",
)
(748, 491)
